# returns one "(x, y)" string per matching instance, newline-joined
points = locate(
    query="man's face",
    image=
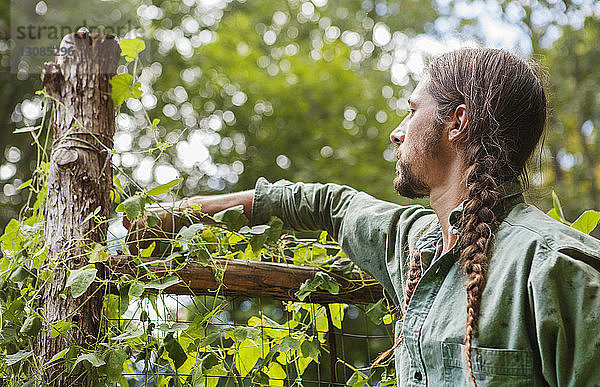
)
(417, 138)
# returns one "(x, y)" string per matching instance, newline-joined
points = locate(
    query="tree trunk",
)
(79, 181)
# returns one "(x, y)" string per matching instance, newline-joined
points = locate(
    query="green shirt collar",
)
(511, 193)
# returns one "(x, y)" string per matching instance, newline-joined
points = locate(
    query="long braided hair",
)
(506, 108)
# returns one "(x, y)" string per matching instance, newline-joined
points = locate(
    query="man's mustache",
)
(397, 152)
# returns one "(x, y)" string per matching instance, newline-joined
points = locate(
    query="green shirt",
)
(539, 321)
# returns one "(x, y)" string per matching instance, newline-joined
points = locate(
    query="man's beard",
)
(408, 184)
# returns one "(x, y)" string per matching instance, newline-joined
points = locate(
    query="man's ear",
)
(460, 121)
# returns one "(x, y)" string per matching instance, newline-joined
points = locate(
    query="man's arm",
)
(140, 235)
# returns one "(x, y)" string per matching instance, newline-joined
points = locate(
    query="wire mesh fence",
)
(240, 341)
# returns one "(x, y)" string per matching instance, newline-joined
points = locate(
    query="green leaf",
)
(175, 327)
(167, 281)
(32, 326)
(322, 280)
(122, 88)
(17, 357)
(246, 356)
(59, 355)
(358, 379)
(275, 228)
(164, 188)
(59, 328)
(92, 358)
(27, 129)
(130, 48)
(328, 283)
(276, 374)
(376, 311)
(113, 368)
(25, 184)
(148, 250)
(175, 351)
(188, 232)
(233, 218)
(98, 253)
(337, 314)
(558, 207)
(310, 348)
(132, 207)
(79, 280)
(136, 289)
(587, 221)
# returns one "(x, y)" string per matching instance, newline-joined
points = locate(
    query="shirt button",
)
(418, 375)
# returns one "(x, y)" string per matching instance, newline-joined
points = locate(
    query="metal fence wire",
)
(238, 341)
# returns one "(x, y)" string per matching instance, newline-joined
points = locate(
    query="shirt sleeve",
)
(565, 299)
(368, 230)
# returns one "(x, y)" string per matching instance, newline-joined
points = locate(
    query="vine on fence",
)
(139, 334)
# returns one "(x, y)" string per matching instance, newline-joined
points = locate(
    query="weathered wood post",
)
(79, 181)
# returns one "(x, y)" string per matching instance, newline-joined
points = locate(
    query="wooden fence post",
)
(79, 182)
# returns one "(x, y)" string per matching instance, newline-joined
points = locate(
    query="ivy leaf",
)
(122, 88)
(276, 374)
(148, 250)
(275, 228)
(167, 281)
(337, 314)
(17, 357)
(164, 188)
(175, 327)
(114, 364)
(558, 207)
(310, 349)
(233, 218)
(188, 232)
(92, 358)
(79, 280)
(358, 379)
(59, 328)
(130, 48)
(98, 253)
(175, 350)
(587, 221)
(132, 207)
(32, 326)
(246, 356)
(136, 289)
(376, 311)
(59, 355)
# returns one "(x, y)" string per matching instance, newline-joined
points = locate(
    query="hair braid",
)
(478, 225)
(506, 106)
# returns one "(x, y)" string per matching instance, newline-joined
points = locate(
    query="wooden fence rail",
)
(251, 279)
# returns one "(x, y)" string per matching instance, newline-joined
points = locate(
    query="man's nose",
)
(397, 135)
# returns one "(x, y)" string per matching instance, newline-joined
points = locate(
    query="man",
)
(492, 290)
